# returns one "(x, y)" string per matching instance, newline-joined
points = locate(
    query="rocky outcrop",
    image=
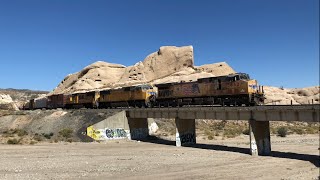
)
(168, 64)
(7, 103)
(97, 75)
(168, 60)
(194, 73)
(282, 96)
(5, 98)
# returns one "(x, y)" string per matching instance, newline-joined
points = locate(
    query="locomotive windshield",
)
(244, 76)
(142, 87)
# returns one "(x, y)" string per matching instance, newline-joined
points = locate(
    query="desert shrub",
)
(232, 130)
(312, 129)
(69, 140)
(231, 133)
(67, 133)
(37, 138)
(21, 132)
(273, 130)
(47, 136)
(208, 132)
(220, 125)
(32, 142)
(210, 137)
(13, 141)
(246, 131)
(282, 131)
(297, 130)
(172, 131)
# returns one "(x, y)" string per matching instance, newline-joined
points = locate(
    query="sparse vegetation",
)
(210, 137)
(231, 133)
(13, 141)
(282, 131)
(22, 132)
(33, 142)
(66, 133)
(47, 136)
(37, 138)
(12, 132)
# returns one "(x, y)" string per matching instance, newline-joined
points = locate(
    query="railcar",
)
(56, 101)
(80, 100)
(235, 89)
(40, 103)
(133, 96)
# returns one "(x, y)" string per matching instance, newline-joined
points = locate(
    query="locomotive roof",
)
(219, 77)
(213, 77)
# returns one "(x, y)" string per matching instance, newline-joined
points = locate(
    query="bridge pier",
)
(259, 137)
(185, 132)
(138, 128)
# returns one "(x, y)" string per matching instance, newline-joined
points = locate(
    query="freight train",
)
(231, 90)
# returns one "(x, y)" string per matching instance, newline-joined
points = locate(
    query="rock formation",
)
(282, 96)
(5, 98)
(168, 64)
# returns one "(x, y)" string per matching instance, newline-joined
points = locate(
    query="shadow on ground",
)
(314, 159)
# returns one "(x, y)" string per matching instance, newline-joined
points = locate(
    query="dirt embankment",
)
(70, 125)
(49, 125)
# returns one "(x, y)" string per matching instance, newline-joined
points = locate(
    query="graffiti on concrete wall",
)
(107, 133)
(139, 133)
(185, 138)
(118, 133)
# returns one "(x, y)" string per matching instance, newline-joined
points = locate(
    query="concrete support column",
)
(138, 128)
(185, 132)
(259, 137)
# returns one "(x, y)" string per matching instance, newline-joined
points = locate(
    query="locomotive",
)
(231, 90)
(235, 89)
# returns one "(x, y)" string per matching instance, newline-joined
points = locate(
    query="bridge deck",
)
(306, 113)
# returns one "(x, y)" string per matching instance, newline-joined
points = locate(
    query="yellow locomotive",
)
(235, 89)
(133, 96)
(85, 99)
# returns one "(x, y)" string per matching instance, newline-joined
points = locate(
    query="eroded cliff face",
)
(168, 64)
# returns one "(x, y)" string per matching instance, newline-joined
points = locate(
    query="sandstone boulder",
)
(165, 62)
(284, 96)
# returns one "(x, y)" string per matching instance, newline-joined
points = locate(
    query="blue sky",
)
(41, 41)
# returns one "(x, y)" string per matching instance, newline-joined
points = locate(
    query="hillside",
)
(13, 99)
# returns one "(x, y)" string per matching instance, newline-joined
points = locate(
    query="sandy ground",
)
(293, 157)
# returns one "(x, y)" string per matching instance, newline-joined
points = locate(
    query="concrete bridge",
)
(258, 117)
